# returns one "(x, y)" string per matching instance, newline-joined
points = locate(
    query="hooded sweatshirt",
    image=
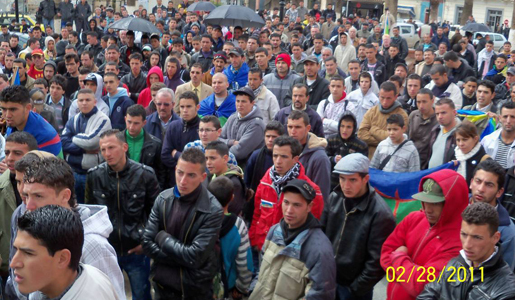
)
(331, 112)
(336, 145)
(118, 105)
(249, 131)
(145, 96)
(316, 162)
(405, 159)
(428, 246)
(101, 105)
(173, 82)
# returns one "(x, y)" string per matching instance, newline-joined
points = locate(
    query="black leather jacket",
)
(497, 282)
(357, 237)
(128, 195)
(135, 84)
(192, 255)
(151, 156)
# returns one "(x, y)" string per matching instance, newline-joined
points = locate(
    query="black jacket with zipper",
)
(128, 195)
(357, 237)
(495, 281)
(193, 254)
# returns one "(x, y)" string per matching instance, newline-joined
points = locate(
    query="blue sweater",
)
(118, 105)
(46, 136)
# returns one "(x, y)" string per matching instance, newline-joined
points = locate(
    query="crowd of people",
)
(213, 162)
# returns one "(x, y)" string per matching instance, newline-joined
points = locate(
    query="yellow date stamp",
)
(429, 274)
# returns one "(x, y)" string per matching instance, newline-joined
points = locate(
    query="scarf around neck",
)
(462, 158)
(280, 181)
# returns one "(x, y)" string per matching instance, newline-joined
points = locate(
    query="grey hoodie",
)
(249, 131)
(317, 164)
(101, 105)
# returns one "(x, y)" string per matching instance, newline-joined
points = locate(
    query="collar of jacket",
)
(362, 206)
(191, 123)
(202, 205)
(123, 172)
(495, 262)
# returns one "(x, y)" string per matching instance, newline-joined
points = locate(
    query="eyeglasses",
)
(206, 130)
(162, 104)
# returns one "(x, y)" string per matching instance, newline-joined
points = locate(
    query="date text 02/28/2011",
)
(429, 274)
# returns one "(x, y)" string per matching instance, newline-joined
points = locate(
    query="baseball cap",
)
(237, 51)
(511, 70)
(147, 47)
(245, 91)
(311, 58)
(109, 8)
(217, 27)
(38, 52)
(91, 77)
(220, 55)
(301, 186)
(431, 192)
(352, 164)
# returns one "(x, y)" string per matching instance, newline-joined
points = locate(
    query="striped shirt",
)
(502, 153)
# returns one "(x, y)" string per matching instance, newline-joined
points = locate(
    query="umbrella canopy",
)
(474, 27)
(135, 24)
(202, 6)
(234, 15)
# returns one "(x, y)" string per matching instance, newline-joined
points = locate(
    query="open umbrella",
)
(234, 15)
(135, 24)
(202, 6)
(475, 27)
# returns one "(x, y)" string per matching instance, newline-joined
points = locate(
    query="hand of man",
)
(3, 167)
(337, 158)
(138, 250)
(174, 152)
(402, 249)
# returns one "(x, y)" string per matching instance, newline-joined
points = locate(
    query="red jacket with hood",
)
(427, 246)
(268, 207)
(145, 96)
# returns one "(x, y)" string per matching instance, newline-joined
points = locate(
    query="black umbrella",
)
(202, 6)
(135, 24)
(234, 15)
(475, 27)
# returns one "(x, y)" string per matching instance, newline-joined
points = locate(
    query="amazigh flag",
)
(16, 78)
(475, 117)
(397, 188)
(386, 23)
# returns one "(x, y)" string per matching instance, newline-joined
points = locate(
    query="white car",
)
(407, 31)
(497, 38)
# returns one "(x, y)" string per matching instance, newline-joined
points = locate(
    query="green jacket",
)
(7, 207)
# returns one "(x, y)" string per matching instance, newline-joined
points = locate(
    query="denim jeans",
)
(80, 186)
(137, 268)
(344, 293)
(50, 22)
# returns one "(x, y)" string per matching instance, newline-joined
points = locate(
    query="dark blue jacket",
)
(153, 125)
(314, 119)
(437, 41)
(117, 114)
(178, 134)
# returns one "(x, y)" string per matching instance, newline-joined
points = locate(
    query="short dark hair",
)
(16, 94)
(365, 75)
(388, 86)
(59, 80)
(444, 101)
(424, 91)
(194, 156)
(469, 79)
(297, 115)
(480, 213)
(120, 135)
(136, 55)
(52, 172)
(113, 47)
(488, 84)
(331, 58)
(337, 77)
(137, 110)
(395, 119)
(72, 56)
(92, 33)
(111, 74)
(275, 126)
(20, 61)
(42, 81)
(23, 138)
(301, 86)
(491, 166)
(56, 228)
(223, 189)
(189, 95)
(506, 105)
(219, 146)
(256, 71)
(295, 146)
(451, 55)
(262, 50)
(26, 161)
(437, 69)
(395, 78)
(212, 119)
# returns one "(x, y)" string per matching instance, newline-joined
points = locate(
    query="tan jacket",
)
(7, 207)
(373, 127)
(205, 90)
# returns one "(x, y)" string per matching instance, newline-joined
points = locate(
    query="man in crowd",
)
(117, 99)
(422, 121)
(443, 195)
(201, 89)
(500, 143)
(137, 187)
(479, 239)
(442, 140)
(365, 221)
(442, 87)
(317, 87)
(280, 81)
(176, 251)
(158, 121)
(221, 103)
(136, 79)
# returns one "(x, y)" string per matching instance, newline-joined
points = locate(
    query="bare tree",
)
(511, 37)
(467, 11)
(392, 6)
(434, 4)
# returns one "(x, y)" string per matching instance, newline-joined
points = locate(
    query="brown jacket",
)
(418, 132)
(373, 127)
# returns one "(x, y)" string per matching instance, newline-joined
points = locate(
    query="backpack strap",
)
(387, 159)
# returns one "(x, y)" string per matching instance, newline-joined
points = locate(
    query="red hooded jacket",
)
(268, 207)
(146, 96)
(427, 246)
